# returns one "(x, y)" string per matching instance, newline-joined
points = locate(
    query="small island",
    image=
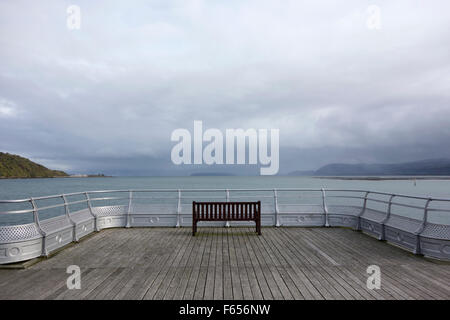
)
(99, 175)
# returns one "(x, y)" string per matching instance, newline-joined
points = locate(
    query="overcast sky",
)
(106, 97)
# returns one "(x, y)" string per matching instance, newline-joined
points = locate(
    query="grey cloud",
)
(138, 70)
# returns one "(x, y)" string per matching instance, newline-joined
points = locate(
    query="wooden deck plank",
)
(130, 284)
(227, 286)
(159, 292)
(218, 270)
(305, 255)
(304, 284)
(335, 271)
(392, 286)
(112, 291)
(342, 257)
(60, 289)
(88, 283)
(195, 267)
(414, 283)
(250, 271)
(235, 277)
(180, 271)
(15, 289)
(210, 276)
(278, 271)
(172, 257)
(138, 261)
(53, 280)
(160, 256)
(260, 278)
(199, 290)
(229, 263)
(106, 285)
(346, 257)
(275, 292)
(140, 265)
(185, 277)
(242, 268)
(429, 276)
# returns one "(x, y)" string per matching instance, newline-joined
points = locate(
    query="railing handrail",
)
(234, 190)
(177, 196)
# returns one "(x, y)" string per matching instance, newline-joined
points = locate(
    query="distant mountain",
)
(430, 167)
(14, 166)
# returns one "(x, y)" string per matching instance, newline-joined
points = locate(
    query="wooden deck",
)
(229, 263)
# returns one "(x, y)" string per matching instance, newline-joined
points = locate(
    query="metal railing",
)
(371, 211)
(192, 194)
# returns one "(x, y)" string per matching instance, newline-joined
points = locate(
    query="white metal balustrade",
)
(418, 224)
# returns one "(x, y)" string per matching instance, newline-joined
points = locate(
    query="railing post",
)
(388, 214)
(67, 211)
(258, 223)
(130, 202)
(417, 249)
(227, 224)
(179, 210)
(38, 223)
(277, 210)
(88, 199)
(358, 227)
(325, 208)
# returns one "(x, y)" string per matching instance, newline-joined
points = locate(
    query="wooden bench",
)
(226, 211)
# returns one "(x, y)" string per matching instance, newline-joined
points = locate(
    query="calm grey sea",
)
(25, 188)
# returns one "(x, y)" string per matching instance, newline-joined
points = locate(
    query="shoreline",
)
(382, 178)
(360, 178)
(54, 177)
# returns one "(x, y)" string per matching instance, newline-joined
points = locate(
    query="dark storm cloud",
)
(107, 97)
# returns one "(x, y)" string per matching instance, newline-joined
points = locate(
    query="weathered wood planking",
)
(230, 263)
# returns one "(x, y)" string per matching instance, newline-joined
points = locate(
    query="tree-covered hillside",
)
(14, 166)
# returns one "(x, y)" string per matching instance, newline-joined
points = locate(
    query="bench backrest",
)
(222, 211)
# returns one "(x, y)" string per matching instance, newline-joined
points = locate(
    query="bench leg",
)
(258, 227)
(194, 228)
